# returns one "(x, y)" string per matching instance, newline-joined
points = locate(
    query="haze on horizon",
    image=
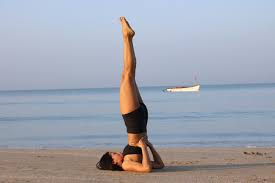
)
(77, 44)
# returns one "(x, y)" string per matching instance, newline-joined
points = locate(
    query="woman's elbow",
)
(147, 169)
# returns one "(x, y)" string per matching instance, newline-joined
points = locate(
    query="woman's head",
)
(110, 161)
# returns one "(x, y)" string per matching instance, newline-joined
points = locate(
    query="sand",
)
(182, 165)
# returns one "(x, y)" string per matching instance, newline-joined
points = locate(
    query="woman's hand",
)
(141, 142)
(148, 143)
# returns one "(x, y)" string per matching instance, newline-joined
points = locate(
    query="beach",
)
(79, 79)
(182, 165)
(224, 133)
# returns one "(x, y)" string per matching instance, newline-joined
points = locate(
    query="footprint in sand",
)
(176, 162)
(184, 163)
(229, 160)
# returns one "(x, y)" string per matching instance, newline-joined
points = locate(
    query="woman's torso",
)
(133, 157)
(136, 124)
(133, 140)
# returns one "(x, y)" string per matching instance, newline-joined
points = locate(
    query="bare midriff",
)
(134, 138)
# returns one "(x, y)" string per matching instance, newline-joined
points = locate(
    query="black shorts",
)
(136, 121)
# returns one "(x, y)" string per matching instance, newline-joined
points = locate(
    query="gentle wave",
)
(155, 136)
(61, 118)
(212, 115)
(58, 103)
(166, 117)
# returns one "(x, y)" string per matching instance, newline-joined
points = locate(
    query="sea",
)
(232, 115)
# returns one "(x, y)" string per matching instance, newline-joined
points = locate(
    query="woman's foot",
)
(127, 31)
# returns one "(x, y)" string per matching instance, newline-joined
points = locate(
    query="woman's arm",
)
(146, 163)
(157, 163)
(145, 166)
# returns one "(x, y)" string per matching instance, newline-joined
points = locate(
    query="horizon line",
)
(110, 87)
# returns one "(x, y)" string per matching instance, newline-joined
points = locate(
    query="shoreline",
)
(121, 147)
(190, 164)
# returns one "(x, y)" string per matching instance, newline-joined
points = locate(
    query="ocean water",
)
(240, 115)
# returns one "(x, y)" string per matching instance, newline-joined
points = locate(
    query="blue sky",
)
(77, 44)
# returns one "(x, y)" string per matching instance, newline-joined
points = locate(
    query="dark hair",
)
(106, 163)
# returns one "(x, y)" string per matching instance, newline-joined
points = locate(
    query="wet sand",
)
(182, 165)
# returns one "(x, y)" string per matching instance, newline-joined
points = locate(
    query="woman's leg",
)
(134, 60)
(129, 93)
(136, 87)
(138, 94)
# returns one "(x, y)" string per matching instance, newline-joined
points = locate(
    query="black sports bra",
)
(131, 150)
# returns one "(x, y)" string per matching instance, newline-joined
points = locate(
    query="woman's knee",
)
(128, 76)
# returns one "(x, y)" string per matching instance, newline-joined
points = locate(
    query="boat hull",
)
(194, 88)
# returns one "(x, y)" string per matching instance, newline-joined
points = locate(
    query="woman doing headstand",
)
(135, 155)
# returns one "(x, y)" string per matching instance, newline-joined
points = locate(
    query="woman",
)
(135, 155)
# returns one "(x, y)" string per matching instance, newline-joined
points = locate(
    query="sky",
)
(57, 44)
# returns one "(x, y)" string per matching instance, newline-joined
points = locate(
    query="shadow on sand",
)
(181, 168)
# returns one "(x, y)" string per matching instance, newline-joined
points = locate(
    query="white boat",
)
(194, 88)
